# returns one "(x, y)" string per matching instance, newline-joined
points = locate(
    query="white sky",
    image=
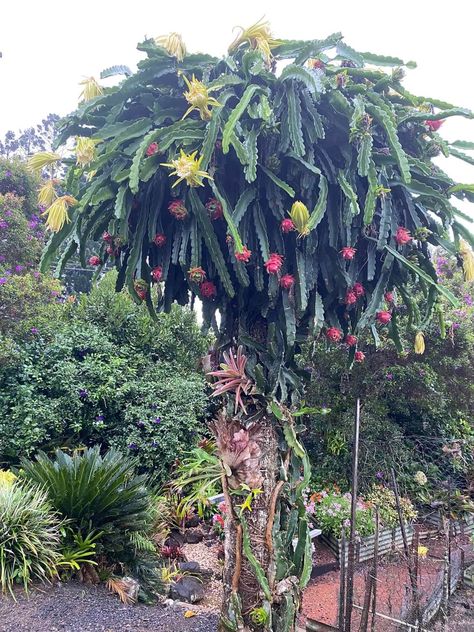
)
(49, 46)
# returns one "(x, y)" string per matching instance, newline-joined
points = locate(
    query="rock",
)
(194, 537)
(194, 521)
(188, 589)
(131, 587)
(175, 539)
(190, 567)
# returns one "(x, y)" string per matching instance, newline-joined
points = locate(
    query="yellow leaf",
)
(189, 613)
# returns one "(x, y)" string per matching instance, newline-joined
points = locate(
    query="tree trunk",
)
(263, 574)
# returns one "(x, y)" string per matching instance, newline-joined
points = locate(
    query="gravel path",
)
(77, 608)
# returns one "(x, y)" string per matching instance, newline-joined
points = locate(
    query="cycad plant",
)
(96, 493)
(290, 186)
(29, 536)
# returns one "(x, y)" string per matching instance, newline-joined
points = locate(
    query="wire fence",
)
(402, 577)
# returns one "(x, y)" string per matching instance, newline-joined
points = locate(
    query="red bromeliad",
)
(274, 263)
(214, 208)
(384, 317)
(178, 210)
(231, 377)
(287, 225)
(159, 240)
(208, 289)
(348, 253)
(95, 260)
(334, 334)
(402, 236)
(287, 281)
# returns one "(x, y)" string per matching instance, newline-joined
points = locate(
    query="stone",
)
(190, 567)
(193, 521)
(187, 589)
(194, 537)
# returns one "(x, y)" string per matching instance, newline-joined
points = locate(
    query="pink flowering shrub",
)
(332, 512)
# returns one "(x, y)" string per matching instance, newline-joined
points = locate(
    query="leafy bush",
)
(21, 238)
(332, 512)
(95, 493)
(384, 498)
(79, 379)
(17, 179)
(29, 536)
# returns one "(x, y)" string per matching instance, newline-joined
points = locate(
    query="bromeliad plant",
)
(327, 198)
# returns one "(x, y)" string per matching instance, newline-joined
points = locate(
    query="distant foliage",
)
(101, 371)
(25, 142)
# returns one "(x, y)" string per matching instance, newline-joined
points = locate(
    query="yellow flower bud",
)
(300, 217)
(173, 44)
(91, 89)
(467, 260)
(42, 159)
(85, 150)
(258, 37)
(186, 167)
(6, 478)
(47, 194)
(420, 343)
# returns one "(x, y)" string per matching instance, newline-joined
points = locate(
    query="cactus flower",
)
(186, 167)
(434, 126)
(208, 289)
(351, 298)
(358, 289)
(198, 97)
(85, 150)
(467, 257)
(197, 275)
(350, 340)
(157, 273)
(159, 239)
(359, 356)
(178, 210)
(152, 149)
(91, 89)
(57, 213)
(95, 260)
(402, 236)
(258, 37)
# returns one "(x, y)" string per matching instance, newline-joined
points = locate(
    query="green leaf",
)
(320, 207)
(250, 169)
(246, 198)
(371, 197)
(462, 144)
(364, 155)
(236, 113)
(299, 73)
(228, 218)
(461, 187)
(292, 440)
(290, 319)
(392, 138)
(210, 138)
(348, 53)
(461, 155)
(254, 563)
(423, 116)
(295, 124)
(261, 231)
(113, 71)
(276, 410)
(210, 239)
(305, 574)
(377, 295)
(422, 275)
(349, 193)
(283, 185)
(384, 60)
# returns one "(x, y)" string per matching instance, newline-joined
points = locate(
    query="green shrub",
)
(17, 179)
(332, 513)
(95, 493)
(29, 536)
(21, 238)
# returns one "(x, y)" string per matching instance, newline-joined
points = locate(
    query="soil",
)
(206, 556)
(75, 607)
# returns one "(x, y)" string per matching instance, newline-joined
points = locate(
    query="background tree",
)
(25, 142)
(289, 202)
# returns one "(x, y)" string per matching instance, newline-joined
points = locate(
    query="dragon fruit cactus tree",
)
(290, 187)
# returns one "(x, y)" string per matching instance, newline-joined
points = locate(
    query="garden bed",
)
(389, 540)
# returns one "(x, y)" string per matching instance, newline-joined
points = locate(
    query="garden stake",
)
(351, 554)
(342, 581)
(375, 569)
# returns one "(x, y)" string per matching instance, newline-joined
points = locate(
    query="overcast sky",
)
(49, 46)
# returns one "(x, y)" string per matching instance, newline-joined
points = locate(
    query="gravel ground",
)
(74, 607)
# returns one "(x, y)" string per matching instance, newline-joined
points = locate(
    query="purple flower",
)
(19, 268)
(8, 173)
(100, 418)
(380, 476)
(141, 424)
(3, 280)
(347, 523)
(132, 446)
(3, 224)
(36, 274)
(8, 214)
(154, 443)
(34, 330)
(54, 293)
(32, 224)
(468, 300)
(389, 376)
(83, 393)
(157, 420)
(456, 325)
(2, 257)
